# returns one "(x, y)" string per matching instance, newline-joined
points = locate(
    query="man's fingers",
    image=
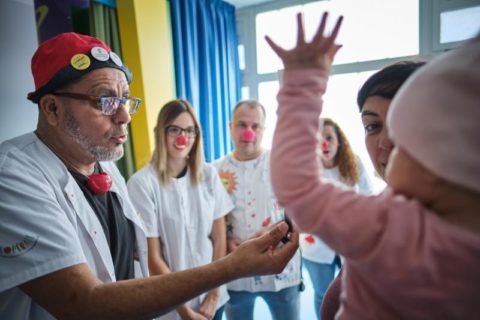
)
(295, 236)
(279, 231)
(292, 244)
(286, 251)
(273, 237)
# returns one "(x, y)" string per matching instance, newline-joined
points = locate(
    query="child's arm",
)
(341, 218)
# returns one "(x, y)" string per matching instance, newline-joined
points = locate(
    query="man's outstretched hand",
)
(265, 254)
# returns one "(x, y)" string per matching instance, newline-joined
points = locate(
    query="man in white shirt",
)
(71, 242)
(245, 174)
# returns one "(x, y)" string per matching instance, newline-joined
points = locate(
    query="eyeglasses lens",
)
(110, 105)
(176, 131)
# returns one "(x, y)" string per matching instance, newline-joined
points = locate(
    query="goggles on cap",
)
(108, 105)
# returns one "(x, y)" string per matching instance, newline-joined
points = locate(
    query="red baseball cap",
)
(67, 57)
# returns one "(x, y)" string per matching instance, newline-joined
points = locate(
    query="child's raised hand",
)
(318, 53)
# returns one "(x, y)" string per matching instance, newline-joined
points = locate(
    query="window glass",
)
(382, 29)
(245, 93)
(458, 25)
(267, 95)
(241, 56)
(279, 25)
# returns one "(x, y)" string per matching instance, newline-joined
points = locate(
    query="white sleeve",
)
(141, 191)
(223, 202)
(37, 236)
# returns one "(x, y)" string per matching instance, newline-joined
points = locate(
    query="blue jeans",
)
(283, 305)
(219, 313)
(321, 275)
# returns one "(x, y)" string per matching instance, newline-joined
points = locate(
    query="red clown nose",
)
(99, 183)
(324, 145)
(181, 140)
(248, 135)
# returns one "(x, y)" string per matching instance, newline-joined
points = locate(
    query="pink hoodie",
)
(401, 260)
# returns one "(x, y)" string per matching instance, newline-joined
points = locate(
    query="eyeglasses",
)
(108, 105)
(174, 131)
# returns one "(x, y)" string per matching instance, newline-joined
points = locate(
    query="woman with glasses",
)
(182, 202)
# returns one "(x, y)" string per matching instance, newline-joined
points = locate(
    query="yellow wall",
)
(145, 35)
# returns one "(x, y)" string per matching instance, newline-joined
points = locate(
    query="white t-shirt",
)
(248, 184)
(181, 215)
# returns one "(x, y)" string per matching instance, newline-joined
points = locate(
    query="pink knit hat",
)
(435, 116)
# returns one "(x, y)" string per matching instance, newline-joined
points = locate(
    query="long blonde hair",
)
(169, 112)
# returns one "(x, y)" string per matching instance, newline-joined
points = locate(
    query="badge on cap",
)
(116, 59)
(80, 61)
(99, 53)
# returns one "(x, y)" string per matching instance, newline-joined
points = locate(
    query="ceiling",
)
(245, 3)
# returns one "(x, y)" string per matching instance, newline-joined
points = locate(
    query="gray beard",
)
(99, 153)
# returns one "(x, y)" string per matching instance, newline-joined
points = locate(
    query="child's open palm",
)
(318, 53)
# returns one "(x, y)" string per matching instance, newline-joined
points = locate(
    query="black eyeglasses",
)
(174, 131)
(108, 105)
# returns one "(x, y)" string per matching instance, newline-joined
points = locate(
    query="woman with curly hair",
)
(341, 167)
(338, 159)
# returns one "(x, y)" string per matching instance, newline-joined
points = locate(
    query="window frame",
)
(429, 46)
(438, 7)
(429, 38)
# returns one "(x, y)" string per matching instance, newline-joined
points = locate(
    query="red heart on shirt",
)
(309, 239)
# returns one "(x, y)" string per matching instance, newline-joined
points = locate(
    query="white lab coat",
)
(46, 224)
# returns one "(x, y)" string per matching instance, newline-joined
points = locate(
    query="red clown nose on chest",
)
(248, 135)
(181, 140)
(99, 183)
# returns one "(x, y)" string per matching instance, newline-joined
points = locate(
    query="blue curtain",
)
(206, 66)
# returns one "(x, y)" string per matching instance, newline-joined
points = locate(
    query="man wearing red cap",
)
(71, 243)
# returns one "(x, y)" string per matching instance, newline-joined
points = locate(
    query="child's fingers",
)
(276, 48)
(321, 28)
(334, 34)
(301, 31)
(328, 43)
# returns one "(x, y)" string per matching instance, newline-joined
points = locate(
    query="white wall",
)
(18, 39)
